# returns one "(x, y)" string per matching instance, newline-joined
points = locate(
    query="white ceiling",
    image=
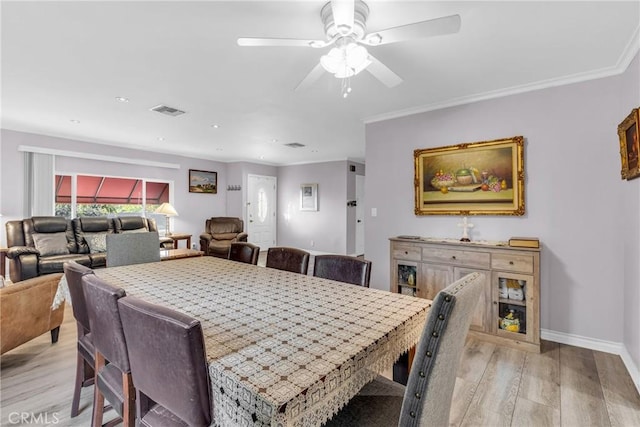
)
(64, 61)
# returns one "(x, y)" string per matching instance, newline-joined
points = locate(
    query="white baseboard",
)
(599, 345)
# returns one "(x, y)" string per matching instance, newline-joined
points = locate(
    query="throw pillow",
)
(51, 243)
(97, 242)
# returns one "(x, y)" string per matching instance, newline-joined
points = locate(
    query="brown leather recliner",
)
(219, 233)
(26, 313)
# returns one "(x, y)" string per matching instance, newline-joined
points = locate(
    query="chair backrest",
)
(427, 398)
(288, 259)
(104, 317)
(224, 225)
(244, 252)
(74, 272)
(160, 340)
(132, 248)
(343, 268)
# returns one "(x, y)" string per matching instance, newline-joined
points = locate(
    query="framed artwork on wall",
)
(478, 178)
(203, 182)
(629, 134)
(309, 197)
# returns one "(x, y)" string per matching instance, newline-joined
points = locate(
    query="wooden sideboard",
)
(423, 266)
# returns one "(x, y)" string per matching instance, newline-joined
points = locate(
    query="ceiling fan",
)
(345, 28)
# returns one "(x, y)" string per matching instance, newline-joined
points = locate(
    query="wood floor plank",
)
(541, 376)
(474, 359)
(462, 396)
(528, 413)
(497, 391)
(620, 395)
(581, 398)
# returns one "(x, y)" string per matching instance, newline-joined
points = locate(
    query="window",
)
(110, 196)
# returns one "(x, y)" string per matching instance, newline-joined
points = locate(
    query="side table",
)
(169, 254)
(176, 237)
(3, 261)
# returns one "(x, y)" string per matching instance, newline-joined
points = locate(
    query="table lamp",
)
(167, 210)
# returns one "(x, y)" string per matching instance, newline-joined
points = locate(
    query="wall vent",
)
(169, 111)
(294, 145)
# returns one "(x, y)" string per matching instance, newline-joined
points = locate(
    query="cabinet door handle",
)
(510, 262)
(453, 257)
(406, 252)
(495, 303)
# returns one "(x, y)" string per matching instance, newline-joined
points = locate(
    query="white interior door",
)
(359, 214)
(261, 210)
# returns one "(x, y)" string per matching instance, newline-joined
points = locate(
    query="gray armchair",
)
(219, 233)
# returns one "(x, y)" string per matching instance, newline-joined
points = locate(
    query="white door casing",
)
(359, 214)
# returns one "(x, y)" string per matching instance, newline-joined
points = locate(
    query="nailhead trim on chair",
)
(425, 363)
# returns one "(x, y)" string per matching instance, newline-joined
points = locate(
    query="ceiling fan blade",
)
(343, 12)
(254, 41)
(383, 73)
(433, 27)
(311, 78)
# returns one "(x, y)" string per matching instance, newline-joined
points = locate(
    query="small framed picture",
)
(629, 134)
(203, 182)
(309, 197)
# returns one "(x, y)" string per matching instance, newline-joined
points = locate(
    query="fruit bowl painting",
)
(480, 178)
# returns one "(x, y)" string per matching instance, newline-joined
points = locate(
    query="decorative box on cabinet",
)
(423, 266)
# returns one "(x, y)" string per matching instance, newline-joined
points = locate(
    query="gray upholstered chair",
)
(176, 345)
(288, 259)
(343, 268)
(112, 368)
(132, 248)
(85, 362)
(244, 252)
(426, 400)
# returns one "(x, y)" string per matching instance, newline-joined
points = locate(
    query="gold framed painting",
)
(478, 178)
(629, 134)
(204, 182)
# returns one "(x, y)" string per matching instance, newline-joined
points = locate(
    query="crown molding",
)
(624, 60)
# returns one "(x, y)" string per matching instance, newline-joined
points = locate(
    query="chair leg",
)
(55, 332)
(98, 397)
(129, 404)
(80, 371)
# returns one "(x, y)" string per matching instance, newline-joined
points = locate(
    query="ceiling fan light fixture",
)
(373, 39)
(346, 61)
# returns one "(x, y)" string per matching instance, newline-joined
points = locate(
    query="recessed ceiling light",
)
(314, 151)
(261, 157)
(160, 139)
(215, 126)
(219, 149)
(74, 121)
(274, 140)
(122, 99)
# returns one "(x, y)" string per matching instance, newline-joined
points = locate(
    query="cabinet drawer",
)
(406, 252)
(457, 257)
(518, 263)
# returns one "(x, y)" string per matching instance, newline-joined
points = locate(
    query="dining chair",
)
(132, 248)
(73, 273)
(426, 400)
(160, 340)
(112, 369)
(244, 252)
(343, 268)
(288, 259)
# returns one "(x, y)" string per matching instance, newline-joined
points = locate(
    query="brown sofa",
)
(41, 245)
(219, 233)
(25, 310)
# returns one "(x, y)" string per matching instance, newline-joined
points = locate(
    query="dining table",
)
(283, 349)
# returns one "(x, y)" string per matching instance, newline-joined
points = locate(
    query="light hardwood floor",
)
(496, 386)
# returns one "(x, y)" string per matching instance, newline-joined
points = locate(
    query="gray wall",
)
(576, 203)
(237, 175)
(326, 227)
(351, 210)
(628, 215)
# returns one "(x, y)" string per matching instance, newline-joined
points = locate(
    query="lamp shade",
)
(166, 209)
